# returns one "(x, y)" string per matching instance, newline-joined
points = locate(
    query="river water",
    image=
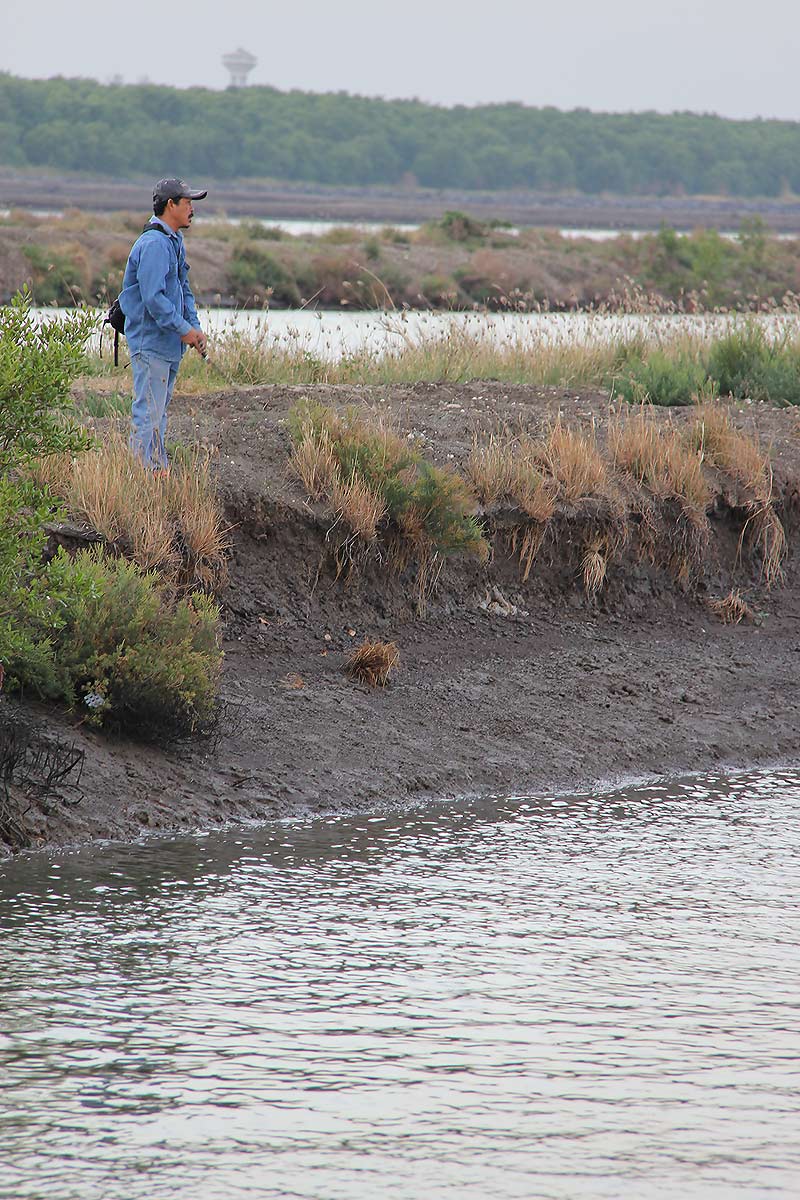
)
(591, 996)
(331, 334)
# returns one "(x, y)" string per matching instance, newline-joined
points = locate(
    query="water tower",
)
(240, 64)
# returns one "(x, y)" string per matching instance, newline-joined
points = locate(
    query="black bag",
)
(115, 317)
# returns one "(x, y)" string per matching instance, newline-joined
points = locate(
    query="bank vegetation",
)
(454, 263)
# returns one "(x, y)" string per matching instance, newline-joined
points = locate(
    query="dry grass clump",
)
(373, 662)
(655, 455)
(718, 443)
(766, 534)
(526, 541)
(491, 468)
(312, 461)
(509, 468)
(594, 567)
(574, 460)
(171, 524)
(358, 505)
(533, 492)
(377, 482)
(194, 507)
(731, 609)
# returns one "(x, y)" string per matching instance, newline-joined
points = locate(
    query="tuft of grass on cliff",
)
(379, 489)
(646, 493)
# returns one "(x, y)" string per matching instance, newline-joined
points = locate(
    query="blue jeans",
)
(153, 384)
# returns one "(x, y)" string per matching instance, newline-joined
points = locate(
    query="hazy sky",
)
(740, 58)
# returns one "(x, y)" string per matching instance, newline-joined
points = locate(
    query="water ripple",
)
(534, 996)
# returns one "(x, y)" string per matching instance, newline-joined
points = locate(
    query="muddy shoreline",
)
(555, 692)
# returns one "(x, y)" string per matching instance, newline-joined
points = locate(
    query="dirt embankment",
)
(504, 686)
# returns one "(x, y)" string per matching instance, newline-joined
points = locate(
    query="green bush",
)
(37, 365)
(475, 286)
(56, 278)
(458, 227)
(445, 503)
(439, 289)
(109, 646)
(420, 499)
(263, 233)
(372, 249)
(701, 262)
(93, 632)
(746, 364)
(253, 269)
(659, 378)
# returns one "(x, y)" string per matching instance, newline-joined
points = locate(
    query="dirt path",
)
(566, 692)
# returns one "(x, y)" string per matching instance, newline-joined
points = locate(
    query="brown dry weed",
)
(358, 505)
(171, 524)
(719, 443)
(373, 662)
(574, 460)
(594, 567)
(654, 454)
(731, 609)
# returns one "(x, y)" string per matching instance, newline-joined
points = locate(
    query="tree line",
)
(336, 138)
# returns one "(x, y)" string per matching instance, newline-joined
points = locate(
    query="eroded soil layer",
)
(547, 689)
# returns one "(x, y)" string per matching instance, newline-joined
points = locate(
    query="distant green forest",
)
(259, 132)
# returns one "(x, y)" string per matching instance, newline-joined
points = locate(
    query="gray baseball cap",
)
(175, 189)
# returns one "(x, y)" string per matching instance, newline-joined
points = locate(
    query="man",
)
(160, 316)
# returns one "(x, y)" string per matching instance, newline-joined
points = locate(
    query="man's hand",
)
(196, 338)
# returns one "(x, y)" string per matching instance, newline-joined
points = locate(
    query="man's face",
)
(183, 211)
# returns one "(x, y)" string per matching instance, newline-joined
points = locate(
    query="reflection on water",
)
(591, 997)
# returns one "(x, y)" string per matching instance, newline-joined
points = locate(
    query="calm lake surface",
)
(593, 996)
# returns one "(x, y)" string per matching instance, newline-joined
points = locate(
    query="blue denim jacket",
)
(156, 298)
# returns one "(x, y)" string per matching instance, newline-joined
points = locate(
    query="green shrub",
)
(476, 286)
(56, 278)
(88, 627)
(746, 364)
(37, 364)
(659, 378)
(445, 503)
(104, 404)
(263, 233)
(253, 269)
(431, 507)
(108, 645)
(458, 227)
(438, 289)
(372, 249)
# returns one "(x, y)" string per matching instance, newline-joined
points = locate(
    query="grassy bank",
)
(453, 263)
(661, 361)
(639, 489)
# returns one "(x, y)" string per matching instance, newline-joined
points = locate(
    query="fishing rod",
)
(216, 367)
